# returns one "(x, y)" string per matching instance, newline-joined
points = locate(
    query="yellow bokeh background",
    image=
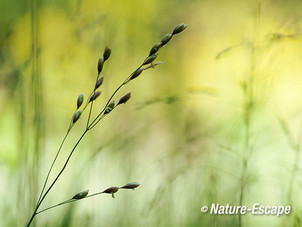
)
(183, 134)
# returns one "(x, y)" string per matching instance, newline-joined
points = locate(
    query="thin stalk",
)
(91, 105)
(90, 110)
(73, 149)
(55, 180)
(100, 118)
(52, 164)
(59, 204)
(70, 201)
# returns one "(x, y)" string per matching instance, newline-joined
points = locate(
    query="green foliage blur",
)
(228, 94)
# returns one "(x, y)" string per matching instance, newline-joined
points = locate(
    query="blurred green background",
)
(220, 121)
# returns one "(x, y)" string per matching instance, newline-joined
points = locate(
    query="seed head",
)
(166, 39)
(179, 28)
(131, 185)
(124, 99)
(109, 107)
(76, 116)
(150, 59)
(100, 64)
(155, 48)
(94, 96)
(136, 73)
(107, 53)
(99, 82)
(80, 100)
(81, 195)
(111, 191)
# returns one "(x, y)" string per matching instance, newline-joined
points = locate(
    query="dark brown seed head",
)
(136, 73)
(99, 82)
(166, 39)
(107, 53)
(179, 28)
(131, 185)
(111, 190)
(76, 116)
(150, 59)
(100, 64)
(81, 195)
(80, 100)
(124, 99)
(155, 48)
(94, 96)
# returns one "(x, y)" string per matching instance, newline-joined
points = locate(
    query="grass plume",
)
(149, 63)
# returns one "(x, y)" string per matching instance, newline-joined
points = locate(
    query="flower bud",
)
(76, 116)
(99, 82)
(124, 99)
(150, 59)
(80, 100)
(81, 195)
(109, 107)
(166, 39)
(136, 73)
(107, 53)
(179, 28)
(131, 185)
(100, 65)
(94, 96)
(155, 48)
(111, 191)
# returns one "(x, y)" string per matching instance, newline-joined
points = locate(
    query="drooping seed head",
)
(124, 99)
(76, 116)
(80, 100)
(100, 64)
(150, 59)
(107, 53)
(110, 107)
(94, 96)
(131, 185)
(111, 191)
(81, 195)
(136, 73)
(99, 82)
(155, 48)
(179, 28)
(166, 39)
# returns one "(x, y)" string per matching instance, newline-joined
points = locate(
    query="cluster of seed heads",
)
(148, 63)
(100, 79)
(95, 94)
(111, 190)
